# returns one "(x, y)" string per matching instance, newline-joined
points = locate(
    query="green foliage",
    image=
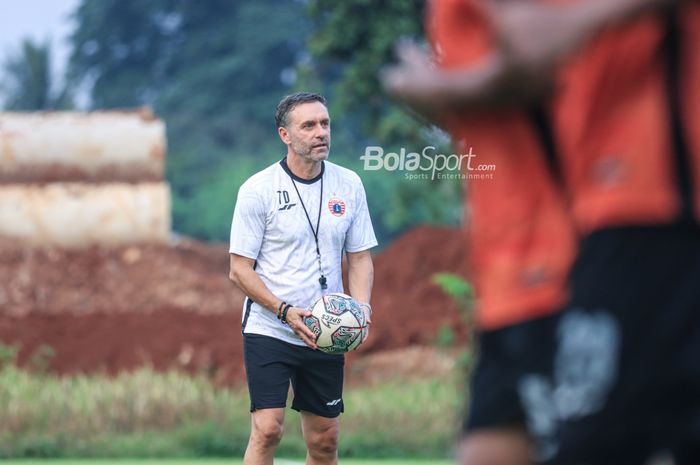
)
(150, 414)
(206, 210)
(8, 355)
(354, 39)
(351, 41)
(384, 421)
(463, 294)
(465, 361)
(445, 337)
(41, 358)
(214, 70)
(459, 289)
(28, 83)
(85, 415)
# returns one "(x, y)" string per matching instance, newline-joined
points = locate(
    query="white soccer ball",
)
(338, 322)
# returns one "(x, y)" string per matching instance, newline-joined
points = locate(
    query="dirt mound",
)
(173, 306)
(186, 276)
(408, 307)
(404, 364)
(104, 342)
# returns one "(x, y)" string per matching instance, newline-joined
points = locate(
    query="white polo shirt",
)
(269, 226)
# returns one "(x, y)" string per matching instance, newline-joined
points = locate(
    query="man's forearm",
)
(252, 286)
(245, 277)
(360, 279)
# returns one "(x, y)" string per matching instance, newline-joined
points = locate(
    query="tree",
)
(208, 63)
(351, 41)
(212, 69)
(29, 84)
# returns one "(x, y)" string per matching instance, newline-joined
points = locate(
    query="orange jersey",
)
(613, 119)
(521, 239)
(604, 157)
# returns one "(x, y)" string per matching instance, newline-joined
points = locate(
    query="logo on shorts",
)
(334, 402)
(586, 362)
(336, 207)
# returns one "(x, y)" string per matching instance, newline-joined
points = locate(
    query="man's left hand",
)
(367, 308)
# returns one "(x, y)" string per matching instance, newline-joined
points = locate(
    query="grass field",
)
(169, 414)
(210, 462)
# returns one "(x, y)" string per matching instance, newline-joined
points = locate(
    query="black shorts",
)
(504, 357)
(624, 383)
(316, 377)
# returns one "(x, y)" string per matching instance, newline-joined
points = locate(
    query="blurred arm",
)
(360, 276)
(529, 40)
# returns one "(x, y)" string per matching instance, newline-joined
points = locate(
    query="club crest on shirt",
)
(336, 207)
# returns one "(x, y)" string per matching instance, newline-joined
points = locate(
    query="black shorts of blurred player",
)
(625, 378)
(495, 426)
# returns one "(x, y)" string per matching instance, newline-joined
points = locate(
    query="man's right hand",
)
(295, 320)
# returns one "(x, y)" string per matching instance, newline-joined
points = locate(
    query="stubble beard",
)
(308, 152)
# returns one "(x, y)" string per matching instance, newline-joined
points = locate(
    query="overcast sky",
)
(37, 19)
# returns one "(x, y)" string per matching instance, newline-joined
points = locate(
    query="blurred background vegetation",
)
(145, 413)
(214, 70)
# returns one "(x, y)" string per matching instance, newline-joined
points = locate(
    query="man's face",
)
(308, 131)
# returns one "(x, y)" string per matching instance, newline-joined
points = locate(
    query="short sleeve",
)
(360, 236)
(248, 224)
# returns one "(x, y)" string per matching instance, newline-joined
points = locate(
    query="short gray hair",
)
(289, 102)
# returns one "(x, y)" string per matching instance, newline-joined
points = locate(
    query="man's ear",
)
(284, 135)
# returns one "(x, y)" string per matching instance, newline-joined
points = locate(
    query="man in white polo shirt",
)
(291, 225)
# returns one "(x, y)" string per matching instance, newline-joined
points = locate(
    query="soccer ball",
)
(338, 323)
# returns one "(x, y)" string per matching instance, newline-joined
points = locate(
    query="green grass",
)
(212, 462)
(157, 415)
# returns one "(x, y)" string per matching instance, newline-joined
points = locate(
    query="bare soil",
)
(113, 309)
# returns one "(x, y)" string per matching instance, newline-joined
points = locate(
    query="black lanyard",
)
(322, 279)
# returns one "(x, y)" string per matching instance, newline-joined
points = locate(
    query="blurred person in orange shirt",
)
(590, 111)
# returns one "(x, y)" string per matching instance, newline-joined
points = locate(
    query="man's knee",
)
(497, 446)
(268, 431)
(323, 442)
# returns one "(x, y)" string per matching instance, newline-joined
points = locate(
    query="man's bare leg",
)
(321, 437)
(267, 427)
(496, 446)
